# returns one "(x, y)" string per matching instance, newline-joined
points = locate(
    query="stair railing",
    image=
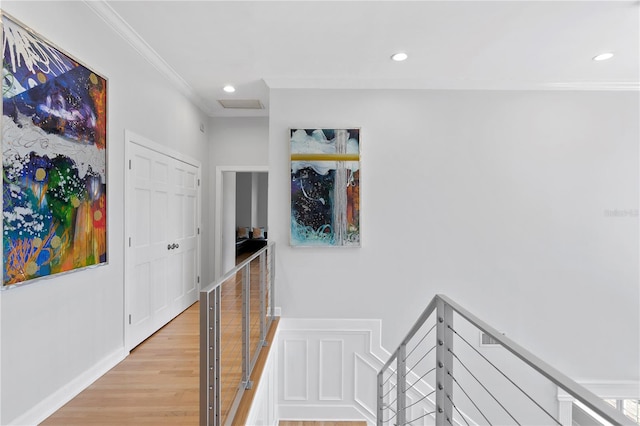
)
(236, 311)
(440, 375)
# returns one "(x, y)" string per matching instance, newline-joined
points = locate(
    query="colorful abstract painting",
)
(325, 187)
(54, 136)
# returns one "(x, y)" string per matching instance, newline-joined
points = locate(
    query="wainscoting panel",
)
(342, 360)
(331, 370)
(365, 379)
(295, 369)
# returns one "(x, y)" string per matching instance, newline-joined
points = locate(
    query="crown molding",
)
(124, 30)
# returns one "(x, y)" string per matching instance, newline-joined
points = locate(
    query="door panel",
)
(141, 319)
(190, 278)
(162, 259)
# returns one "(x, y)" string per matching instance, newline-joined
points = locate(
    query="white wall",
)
(501, 200)
(239, 144)
(56, 330)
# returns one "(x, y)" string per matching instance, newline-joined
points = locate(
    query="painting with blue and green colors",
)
(325, 187)
(54, 138)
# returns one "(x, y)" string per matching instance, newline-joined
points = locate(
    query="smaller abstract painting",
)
(54, 140)
(325, 187)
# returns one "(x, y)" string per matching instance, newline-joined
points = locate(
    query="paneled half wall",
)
(320, 369)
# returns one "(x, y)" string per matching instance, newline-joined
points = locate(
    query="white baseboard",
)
(54, 402)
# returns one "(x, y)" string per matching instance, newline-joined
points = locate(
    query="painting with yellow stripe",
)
(325, 187)
(54, 137)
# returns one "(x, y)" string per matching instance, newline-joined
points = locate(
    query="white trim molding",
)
(131, 36)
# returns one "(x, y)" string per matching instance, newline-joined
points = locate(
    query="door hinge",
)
(129, 241)
(129, 164)
(198, 231)
(129, 319)
(198, 182)
(198, 280)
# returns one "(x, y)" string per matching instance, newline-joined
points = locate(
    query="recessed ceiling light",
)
(603, 56)
(229, 88)
(399, 57)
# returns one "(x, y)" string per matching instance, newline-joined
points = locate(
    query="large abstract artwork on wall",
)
(54, 136)
(325, 187)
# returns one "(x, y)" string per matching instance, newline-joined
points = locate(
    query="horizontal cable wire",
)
(421, 399)
(420, 360)
(506, 377)
(469, 398)
(391, 418)
(391, 403)
(390, 377)
(483, 386)
(456, 408)
(418, 344)
(418, 418)
(383, 396)
(420, 378)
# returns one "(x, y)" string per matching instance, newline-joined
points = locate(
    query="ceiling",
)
(479, 45)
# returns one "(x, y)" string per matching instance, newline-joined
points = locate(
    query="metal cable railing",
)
(442, 378)
(236, 312)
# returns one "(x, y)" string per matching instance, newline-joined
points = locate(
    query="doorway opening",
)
(241, 214)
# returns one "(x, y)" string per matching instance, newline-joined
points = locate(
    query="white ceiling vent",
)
(241, 103)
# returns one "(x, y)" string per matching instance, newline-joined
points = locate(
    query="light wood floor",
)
(158, 383)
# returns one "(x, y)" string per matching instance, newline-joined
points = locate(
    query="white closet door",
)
(149, 203)
(184, 233)
(162, 269)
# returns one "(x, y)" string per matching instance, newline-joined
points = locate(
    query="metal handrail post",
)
(246, 326)
(263, 313)
(380, 398)
(210, 362)
(401, 403)
(272, 275)
(444, 363)
(218, 371)
(204, 359)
